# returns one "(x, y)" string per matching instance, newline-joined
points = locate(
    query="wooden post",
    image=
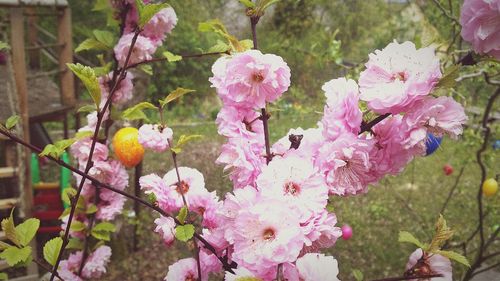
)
(64, 36)
(19, 67)
(34, 55)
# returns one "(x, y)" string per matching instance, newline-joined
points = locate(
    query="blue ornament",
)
(432, 143)
(496, 145)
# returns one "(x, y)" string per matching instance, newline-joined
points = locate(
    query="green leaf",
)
(101, 235)
(9, 229)
(91, 44)
(57, 149)
(267, 3)
(219, 47)
(147, 12)
(152, 198)
(148, 69)
(248, 3)
(358, 275)
(448, 79)
(3, 276)
(91, 209)
(105, 226)
(246, 44)
(105, 37)
(183, 140)
(27, 230)
(184, 232)
(175, 94)
(405, 236)
(136, 112)
(4, 245)
(171, 57)
(443, 234)
(87, 108)
(454, 256)
(83, 134)
(12, 121)
(4, 46)
(182, 214)
(89, 79)
(216, 26)
(14, 255)
(51, 250)
(75, 243)
(68, 193)
(77, 226)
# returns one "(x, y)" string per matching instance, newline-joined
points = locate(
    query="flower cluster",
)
(94, 267)
(151, 37)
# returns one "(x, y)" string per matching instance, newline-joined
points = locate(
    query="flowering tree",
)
(276, 220)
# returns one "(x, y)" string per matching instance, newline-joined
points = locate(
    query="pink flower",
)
(480, 20)
(250, 79)
(341, 113)
(123, 92)
(68, 269)
(160, 25)
(240, 273)
(296, 181)
(320, 232)
(108, 210)
(143, 49)
(184, 269)
(155, 137)
(191, 186)
(206, 205)
(95, 265)
(209, 263)
(389, 155)
(315, 266)
(266, 235)
(398, 76)
(308, 142)
(431, 263)
(245, 158)
(81, 149)
(215, 237)
(438, 116)
(237, 122)
(153, 184)
(345, 163)
(118, 176)
(165, 226)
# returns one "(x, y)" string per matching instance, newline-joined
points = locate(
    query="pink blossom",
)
(480, 20)
(153, 184)
(118, 178)
(209, 263)
(240, 273)
(206, 205)
(438, 116)
(238, 122)
(266, 235)
(143, 49)
(341, 113)
(81, 149)
(165, 226)
(433, 263)
(123, 91)
(191, 186)
(320, 232)
(215, 237)
(315, 266)
(309, 141)
(245, 158)
(296, 181)
(250, 79)
(95, 264)
(108, 210)
(398, 76)
(68, 269)
(155, 137)
(345, 163)
(243, 198)
(184, 269)
(160, 25)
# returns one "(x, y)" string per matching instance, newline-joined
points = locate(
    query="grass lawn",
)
(411, 201)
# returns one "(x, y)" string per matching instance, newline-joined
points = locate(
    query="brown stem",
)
(97, 183)
(197, 256)
(452, 190)
(41, 264)
(183, 56)
(100, 117)
(265, 118)
(87, 236)
(368, 126)
(179, 187)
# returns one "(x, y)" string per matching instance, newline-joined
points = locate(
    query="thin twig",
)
(183, 56)
(368, 126)
(402, 278)
(41, 264)
(452, 190)
(486, 269)
(443, 10)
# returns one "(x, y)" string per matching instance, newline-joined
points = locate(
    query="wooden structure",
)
(35, 84)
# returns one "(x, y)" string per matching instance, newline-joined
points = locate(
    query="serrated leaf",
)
(4, 245)
(218, 27)
(405, 236)
(183, 140)
(65, 213)
(105, 226)
(146, 68)
(87, 76)
(51, 250)
(12, 121)
(448, 79)
(87, 108)
(90, 44)
(246, 44)
(68, 193)
(9, 229)
(136, 112)
(248, 3)
(77, 226)
(57, 149)
(105, 37)
(27, 230)
(454, 256)
(183, 212)
(14, 255)
(358, 275)
(171, 57)
(75, 243)
(219, 47)
(147, 12)
(101, 235)
(184, 232)
(175, 94)
(443, 234)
